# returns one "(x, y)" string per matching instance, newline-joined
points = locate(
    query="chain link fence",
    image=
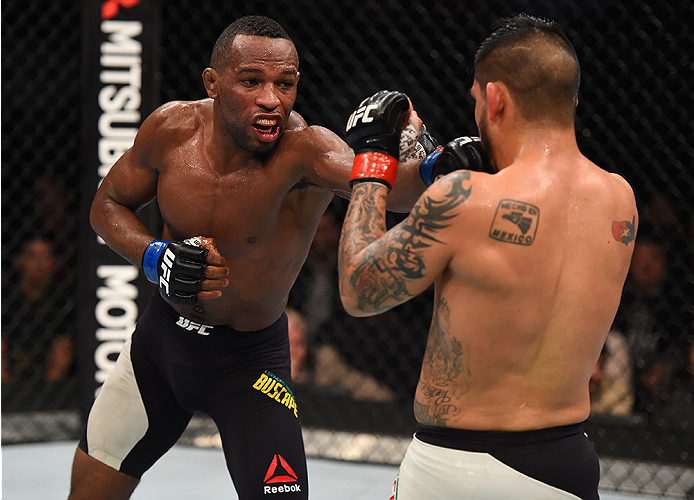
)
(40, 169)
(634, 118)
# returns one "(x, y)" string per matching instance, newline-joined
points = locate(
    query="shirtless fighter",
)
(528, 265)
(246, 172)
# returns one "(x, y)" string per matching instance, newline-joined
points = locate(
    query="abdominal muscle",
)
(255, 298)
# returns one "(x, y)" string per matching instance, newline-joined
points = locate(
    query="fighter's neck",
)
(225, 154)
(535, 146)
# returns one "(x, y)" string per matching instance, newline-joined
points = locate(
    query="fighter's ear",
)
(210, 78)
(497, 95)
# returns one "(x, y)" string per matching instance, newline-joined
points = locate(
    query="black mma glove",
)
(463, 153)
(177, 267)
(373, 132)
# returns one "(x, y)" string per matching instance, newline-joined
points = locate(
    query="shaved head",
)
(247, 25)
(537, 63)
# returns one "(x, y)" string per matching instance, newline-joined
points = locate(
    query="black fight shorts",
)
(172, 367)
(554, 463)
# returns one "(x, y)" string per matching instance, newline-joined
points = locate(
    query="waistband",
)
(485, 441)
(160, 310)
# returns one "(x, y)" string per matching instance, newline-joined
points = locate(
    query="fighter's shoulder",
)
(623, 187)
(462, 189)
(312, 138)
(296, 122)
(177, 117)
(611, 189)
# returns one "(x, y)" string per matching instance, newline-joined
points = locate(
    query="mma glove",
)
(373, 132)
(178, 268)
(463, 153)
(427, 141)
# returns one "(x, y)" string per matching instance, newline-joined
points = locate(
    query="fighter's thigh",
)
(135, 418)
(262, 440)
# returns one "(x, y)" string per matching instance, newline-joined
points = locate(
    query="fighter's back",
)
(525, 303)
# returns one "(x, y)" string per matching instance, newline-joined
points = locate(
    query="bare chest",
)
(245, 209)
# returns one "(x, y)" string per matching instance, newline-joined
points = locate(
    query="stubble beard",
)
(483, 128)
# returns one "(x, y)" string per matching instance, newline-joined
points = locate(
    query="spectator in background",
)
(323, 366)
(51, 199)
(677, 410)
(611, 382)
(653, 316)
(394, 335)
(51, 213)
(37, 318)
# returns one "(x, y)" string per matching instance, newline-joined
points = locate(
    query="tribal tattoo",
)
(381, 276)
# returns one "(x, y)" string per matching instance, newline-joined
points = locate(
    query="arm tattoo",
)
(382, 271)
(445, 371)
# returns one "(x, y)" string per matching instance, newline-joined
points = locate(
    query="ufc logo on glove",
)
(363, 113)
(166, 264)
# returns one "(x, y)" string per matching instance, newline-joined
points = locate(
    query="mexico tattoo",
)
(515, 222)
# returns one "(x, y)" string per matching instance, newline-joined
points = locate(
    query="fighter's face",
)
(257, 90)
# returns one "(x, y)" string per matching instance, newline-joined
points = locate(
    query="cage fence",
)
(635, 118)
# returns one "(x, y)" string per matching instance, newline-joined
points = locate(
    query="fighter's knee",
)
(93, 480)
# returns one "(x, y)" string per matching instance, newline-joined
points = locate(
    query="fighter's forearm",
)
(364, 224)
(408, 187)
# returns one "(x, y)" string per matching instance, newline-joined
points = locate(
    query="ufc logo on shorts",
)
(361, 113)
(192, 325)
(166, 264)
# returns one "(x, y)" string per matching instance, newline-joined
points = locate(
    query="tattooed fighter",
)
(528, 265)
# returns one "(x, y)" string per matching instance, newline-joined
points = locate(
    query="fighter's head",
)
(247, 25)
(536, 62)
(253, 78)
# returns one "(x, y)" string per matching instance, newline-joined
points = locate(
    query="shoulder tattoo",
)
(624, 231)
(515, 222)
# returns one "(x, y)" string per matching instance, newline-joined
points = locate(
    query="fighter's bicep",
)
(425, 241)
(328, 159)
(129, 182)
(132, 180)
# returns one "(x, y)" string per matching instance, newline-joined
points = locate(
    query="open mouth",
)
(268, 129)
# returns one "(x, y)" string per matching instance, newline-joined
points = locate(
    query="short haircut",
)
(537, 63)
(247, 25)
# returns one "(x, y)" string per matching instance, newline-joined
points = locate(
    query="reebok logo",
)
(192, 325)
(361, 113)
(280, 472)
(166, 265)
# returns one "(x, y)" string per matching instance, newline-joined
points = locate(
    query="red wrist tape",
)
(373, 166)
